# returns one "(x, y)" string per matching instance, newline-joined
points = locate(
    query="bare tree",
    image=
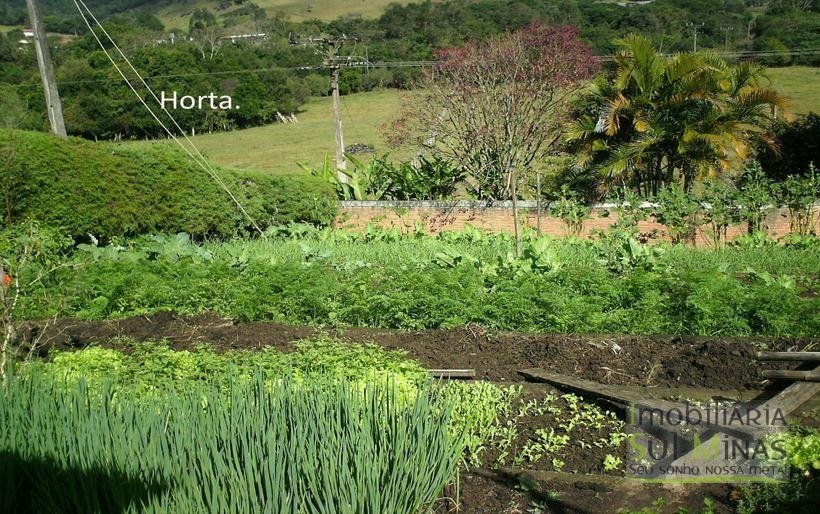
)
(795, 5)
(27, 259)
(499, 106)
(205, 33)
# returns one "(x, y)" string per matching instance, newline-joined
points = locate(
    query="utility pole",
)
(726, 31)
(53, 105)
(341, 162)
(329, 49)
(695, 28)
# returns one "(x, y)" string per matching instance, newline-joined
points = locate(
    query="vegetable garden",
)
(288, 374)
(179, 344)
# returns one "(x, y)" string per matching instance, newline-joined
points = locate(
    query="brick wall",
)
(438, 216)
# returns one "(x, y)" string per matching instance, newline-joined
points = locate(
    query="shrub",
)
(802, 446)
(286, 198)
(799, 195)
(755, 196)
(797, 146)
(571, 210)
(721, 211)
(116, 190)
(678, 210)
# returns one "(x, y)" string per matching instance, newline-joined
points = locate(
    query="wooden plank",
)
(791, 374)
(789, 356)
(676, 416)
(789, 399)
(452, 373)
(616, 395)
(594, 389)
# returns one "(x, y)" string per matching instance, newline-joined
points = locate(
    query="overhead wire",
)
(199, 158)
(405, 64)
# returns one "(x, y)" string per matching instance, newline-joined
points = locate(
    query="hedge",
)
(109, 190)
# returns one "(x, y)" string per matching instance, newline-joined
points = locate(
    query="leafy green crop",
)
(384, 278)
(478, 411)
(149, 369)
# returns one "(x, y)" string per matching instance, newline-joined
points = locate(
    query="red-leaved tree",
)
(498, 106)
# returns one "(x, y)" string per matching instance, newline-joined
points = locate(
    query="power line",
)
(373, 64)
(738, 54)
(411, 64)
(201, 160)
(329, 50)
(184, 75)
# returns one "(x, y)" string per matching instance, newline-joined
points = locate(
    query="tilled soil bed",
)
(649, 361)
(666, 362)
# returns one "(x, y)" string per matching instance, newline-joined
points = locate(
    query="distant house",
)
(28, 34)
(251, 38)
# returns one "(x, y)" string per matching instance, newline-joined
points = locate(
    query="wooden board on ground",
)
(788, 356)
(612, 394)
(591, 389)
(791, 374)
(792, 397)
(452, 373)
(788, 400)
(675, 416)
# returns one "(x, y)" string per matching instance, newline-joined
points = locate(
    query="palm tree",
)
(655, 120)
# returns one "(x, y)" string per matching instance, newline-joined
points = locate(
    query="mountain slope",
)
(175, 13)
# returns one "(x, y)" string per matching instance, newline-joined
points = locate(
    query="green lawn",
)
(801, 84)
(280, 147)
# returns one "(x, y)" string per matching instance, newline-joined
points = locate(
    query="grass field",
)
(801, 84)
(280, 147)
(176, 15)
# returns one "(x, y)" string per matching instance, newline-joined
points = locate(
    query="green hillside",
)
(801, 84)
(177, 15)
(280, 147)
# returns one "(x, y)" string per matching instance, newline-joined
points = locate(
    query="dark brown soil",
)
(649, 361)
(505, 492)
(587, 459)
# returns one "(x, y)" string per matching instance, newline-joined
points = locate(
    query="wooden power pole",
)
(53, 105)
(726, 31)
(341, 162)
(695, 28)
(328, 49)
